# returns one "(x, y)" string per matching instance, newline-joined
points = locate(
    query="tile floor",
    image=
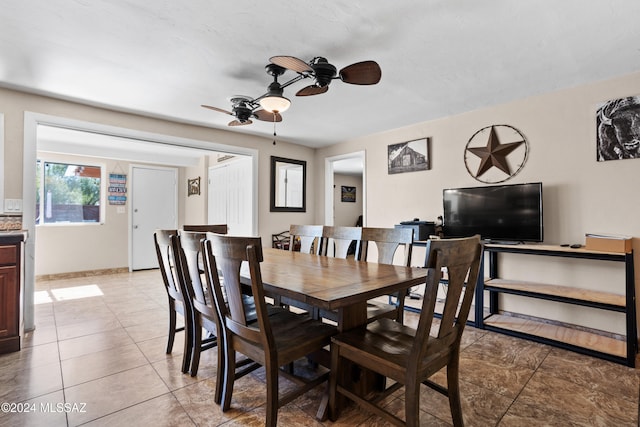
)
(99, 349)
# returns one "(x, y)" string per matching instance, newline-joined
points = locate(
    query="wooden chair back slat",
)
(308, 236)
(387, 242)
(337, 240)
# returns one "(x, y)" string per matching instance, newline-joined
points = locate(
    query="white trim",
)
(31, 122)
(328, 184)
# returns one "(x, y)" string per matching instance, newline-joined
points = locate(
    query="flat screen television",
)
(500, 213)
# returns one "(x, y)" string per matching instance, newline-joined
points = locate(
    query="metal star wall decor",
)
(484, 152)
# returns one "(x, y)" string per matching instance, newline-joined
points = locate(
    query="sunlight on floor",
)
(65, 294)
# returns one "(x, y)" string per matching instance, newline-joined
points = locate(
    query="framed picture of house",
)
(409, 156)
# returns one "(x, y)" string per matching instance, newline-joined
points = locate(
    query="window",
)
(68, 193)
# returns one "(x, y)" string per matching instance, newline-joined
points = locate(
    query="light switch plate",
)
(13, 205)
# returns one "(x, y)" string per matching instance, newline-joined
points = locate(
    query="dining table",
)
(341, 285)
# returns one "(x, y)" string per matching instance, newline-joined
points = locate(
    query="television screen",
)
(510, 213)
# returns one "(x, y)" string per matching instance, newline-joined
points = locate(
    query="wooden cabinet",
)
(564, 336)
(10, 292)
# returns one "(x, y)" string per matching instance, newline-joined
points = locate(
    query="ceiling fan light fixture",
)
(275, 103)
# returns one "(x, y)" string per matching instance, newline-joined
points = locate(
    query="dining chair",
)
(272, 341)
(204, 228)
(164, 252)
(387, 241)
(307, 237)
(188, 256)
(339, 240)
(410, 356)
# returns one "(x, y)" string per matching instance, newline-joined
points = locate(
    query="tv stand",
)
(560, 336)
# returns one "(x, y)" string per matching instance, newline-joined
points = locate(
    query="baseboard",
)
(75, 274)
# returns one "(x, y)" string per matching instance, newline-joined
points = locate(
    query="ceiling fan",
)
(267, 107)
(360, 73)
(244, 108)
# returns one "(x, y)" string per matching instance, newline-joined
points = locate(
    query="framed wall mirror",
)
(288, 185)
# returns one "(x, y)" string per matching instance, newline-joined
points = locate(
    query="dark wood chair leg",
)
(229, 377)
(197, 348)
(334, 410)
(412, 404)
(220, 377)
(172, 326)
(186, 357)
(272, 393)
(453, 385)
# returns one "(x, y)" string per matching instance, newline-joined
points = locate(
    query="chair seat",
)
(297, 335)
(387, 343)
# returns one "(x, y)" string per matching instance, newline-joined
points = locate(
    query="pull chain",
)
(274, 127)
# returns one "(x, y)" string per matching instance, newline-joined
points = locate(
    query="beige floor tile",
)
(593, 374)
(153, 315)
(18, 385)
(80, 346)
(161, 411)
(88, 327)
(43, 411)
(549, 398)
(155, 349)
(197, 400)
(101, 364)
(506, 350)
(30, 357)
(507, 380)
(145, 331)
(115, 392)
(42, 334)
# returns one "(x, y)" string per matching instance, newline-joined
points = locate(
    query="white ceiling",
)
(438, 57)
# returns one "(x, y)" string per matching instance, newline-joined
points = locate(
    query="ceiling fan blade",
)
(361, 73)
(266, 116)
(312, 90)
(291, 63)
(239, 123)
(217, 109)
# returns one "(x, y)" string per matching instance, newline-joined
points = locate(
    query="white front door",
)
(154, 196)
(231, 195)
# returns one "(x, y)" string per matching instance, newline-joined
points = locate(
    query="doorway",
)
(351, 165)
(31, 123)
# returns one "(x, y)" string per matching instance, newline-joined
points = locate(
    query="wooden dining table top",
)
(332, 283)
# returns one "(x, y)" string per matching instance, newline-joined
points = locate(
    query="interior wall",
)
(580, 195)
(195, 205)
(346, 213)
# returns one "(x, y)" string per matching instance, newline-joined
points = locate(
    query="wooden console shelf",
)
(565, 337)
(570, 336)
